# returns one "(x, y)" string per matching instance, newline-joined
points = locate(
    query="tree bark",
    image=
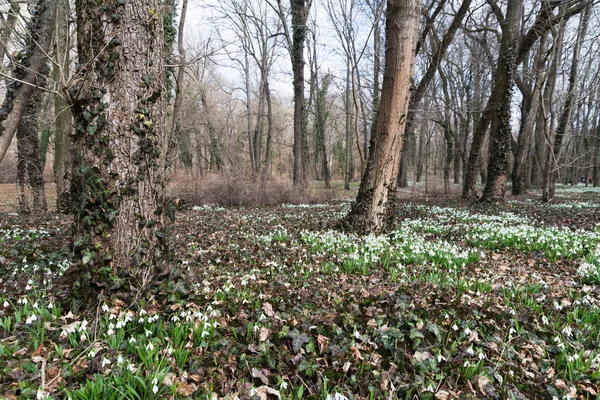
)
(500, 133)
(33, 59)
(119, 173)
(373, 210)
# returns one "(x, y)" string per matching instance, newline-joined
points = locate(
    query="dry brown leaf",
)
(264, 391)
(356, 353)
(323, 341)
(264, 334)
(268, 309)
(442, 395)
(261, 374)
(482, 382)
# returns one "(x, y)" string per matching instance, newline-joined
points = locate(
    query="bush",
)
(229, 191)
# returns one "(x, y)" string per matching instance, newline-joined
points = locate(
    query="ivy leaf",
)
(298, 340)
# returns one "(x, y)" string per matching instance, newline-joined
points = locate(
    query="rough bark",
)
(33, 60)
(119, 173)
(321, 115)
(374, 207)
(8, 26)
(500, 133)
(564, 120)
(63, 120)
(349, 165)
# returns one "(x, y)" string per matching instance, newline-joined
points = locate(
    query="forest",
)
(288, 199)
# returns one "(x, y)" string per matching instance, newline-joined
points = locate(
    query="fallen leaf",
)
(323, 342)
(260, 374)
(268, 309)
(264, 334)
(421, 356)
(264, 391)
(442, 395)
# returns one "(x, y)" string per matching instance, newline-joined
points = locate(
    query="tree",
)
(295, 43)
(119, 177)
(34, 61)
(551, 169)
(374, 206)
(63, 119)
(501, 98)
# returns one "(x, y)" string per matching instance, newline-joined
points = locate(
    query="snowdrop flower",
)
(545, 320)
(470, 351)
(567, 331)
(132, 340)
(105, 361)
(455, 327)
(105, 307)
(131, 367)
(83, 338)
(467, 331)
(92, 354)
(283, 385)
(441, 358)
(35, 305)
(149, 346)
(120, 359)
(40, 395)
(50, 306)
(31, 319)
(148, 333)
(5, 304)
(481, 356)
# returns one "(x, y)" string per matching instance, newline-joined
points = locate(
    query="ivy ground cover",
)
(455, 302)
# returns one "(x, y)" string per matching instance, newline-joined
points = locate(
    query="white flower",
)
(50, 306)
(40, 395)
(132, 340)
(131, 367)
(31, 319)
(470, 351)
(5, 304)
(92, 354)
(455, 327)
(283, 385)
(149, 346)
(441, 358)
(567, 331)
(481, 356)
(110, 332)
(545, 320)
(148, 333)
(105, 361)
(120, 359)
(83, 337)
(105, 307)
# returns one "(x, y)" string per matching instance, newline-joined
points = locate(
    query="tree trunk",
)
(523, 145)
(500, 133)
(349, 167)
(268, 150)
(300, 10)
(179, 86)
(8, 26)
(32, 61)
(63, 120)
(373, 210)
(30, 164)
(551, 174)
(119, 173)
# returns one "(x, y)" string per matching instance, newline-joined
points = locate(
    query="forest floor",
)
(459, 301)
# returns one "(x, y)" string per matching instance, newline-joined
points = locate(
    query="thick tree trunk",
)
(551, 174)
(63, 120)
(374, 206)
(32, 63)
(119, 174)
(500, 133)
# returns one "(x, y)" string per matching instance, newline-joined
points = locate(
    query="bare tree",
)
(374, 204)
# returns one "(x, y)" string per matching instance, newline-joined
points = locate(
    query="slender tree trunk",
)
(268, 149)
(523, 145)
(500, 133)
(179, 88)
(349, 167)
(374, 207)
(300, 10)
(551, 174)
(63, 120)
(119, 113)
(32, 64)
(8, 26)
